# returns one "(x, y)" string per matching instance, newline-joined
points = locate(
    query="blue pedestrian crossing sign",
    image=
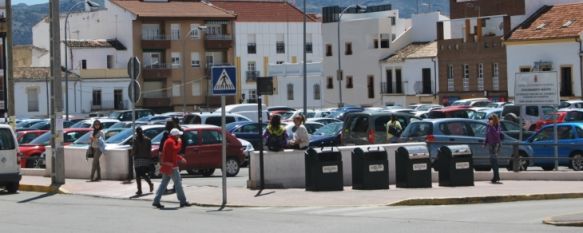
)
(224, 80)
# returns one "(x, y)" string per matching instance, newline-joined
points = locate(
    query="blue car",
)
(570, 139)
(327, 135)
(247, 130)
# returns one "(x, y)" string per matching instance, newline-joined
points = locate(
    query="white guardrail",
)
(114, 163)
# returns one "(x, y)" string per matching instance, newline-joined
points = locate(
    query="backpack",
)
(275, 142)
(392, 129)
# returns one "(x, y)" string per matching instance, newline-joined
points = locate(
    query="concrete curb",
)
(487, 199)
(42, 189)
(565, 220)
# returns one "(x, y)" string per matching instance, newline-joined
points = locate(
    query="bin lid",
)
(417, 152)
(459, 150)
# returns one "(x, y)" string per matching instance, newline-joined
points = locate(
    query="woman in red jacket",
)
(169, 168)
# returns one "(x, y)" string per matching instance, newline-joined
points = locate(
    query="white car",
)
(105, 123)
(9, 161)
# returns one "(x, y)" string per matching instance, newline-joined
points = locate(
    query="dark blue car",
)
(570, 139)
(247, 130)
(327, 135)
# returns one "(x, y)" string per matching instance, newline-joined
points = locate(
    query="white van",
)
(9, 162)
(235, 108)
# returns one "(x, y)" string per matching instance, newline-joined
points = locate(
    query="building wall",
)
(292, 74)
(473, 8)
(560, 54)
(411, 74)
(22, 55)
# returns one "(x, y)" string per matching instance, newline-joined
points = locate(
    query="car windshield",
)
(156, 140)
(43, 139)
(120, 137)
(81, 124)
(114, 115)
(425, 107)
(551, 116)
(329, 129)
(479, 115)
(39, 125)
(418, 129)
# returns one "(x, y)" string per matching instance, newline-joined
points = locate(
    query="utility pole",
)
(9, 84)
(57, 157)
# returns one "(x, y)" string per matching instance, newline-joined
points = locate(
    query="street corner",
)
(575, 220)
(42, 188)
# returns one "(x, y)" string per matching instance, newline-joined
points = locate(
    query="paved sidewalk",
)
(482, 192)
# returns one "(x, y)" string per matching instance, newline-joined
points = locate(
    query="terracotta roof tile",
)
(263, 11)
(174, 9)
(412, 51)
(552, 22)
(37, 73)
(100, 43)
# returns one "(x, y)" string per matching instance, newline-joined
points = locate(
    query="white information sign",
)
(536, 88)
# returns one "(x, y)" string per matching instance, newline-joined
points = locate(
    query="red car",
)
(203, 150)
(26, 136)
(458, 111)
(31, 152)
(571, 115)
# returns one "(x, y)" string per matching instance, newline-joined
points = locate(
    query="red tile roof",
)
(263, 11)
(551, 22)
(174, 9)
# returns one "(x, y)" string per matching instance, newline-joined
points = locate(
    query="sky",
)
(29, 2)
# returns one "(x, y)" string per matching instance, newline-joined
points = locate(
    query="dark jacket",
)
(142, 148)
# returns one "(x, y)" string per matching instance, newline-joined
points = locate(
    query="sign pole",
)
(224, 152)
(261, 172)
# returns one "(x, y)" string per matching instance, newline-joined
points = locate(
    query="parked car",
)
(124, 124)
(485, 113)
(9, 169)
(32, 151)
(46, 125)
(473, 102)
(247, 130)
(570, 138)
(212, 118)
(461, 111)
(203, 147)
(153, 119)
(105, 123)
(370, 127)
(25, 124)
(513, 130)
(530, 115)
(571, 104)
(25, 136)
(323, 120)
(327, 135)
(124, 138)
(311, 127)
(564, 115)
(126, 115)
(451, 131)
(107, 133)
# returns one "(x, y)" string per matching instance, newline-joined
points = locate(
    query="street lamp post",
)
(339, 74)
(200, 27)
(92, 5)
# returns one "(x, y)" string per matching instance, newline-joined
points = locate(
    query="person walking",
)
(141, 152)
(274, 135)
(169, 169)
(170, 124)
(492, 141)
(394, 129)
(300, 139)
(98, 146)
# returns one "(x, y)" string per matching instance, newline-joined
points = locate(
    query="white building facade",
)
(289, 85)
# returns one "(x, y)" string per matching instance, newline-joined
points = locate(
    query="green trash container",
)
(413, 167)
(455, 166)
(323, 168)
(370, 169)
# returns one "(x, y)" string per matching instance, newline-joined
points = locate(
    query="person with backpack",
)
(141, 151)
(275, 136)
(394, 129)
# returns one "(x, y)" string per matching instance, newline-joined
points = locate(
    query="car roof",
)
(565, 124)
(440, 120)
(199, 126)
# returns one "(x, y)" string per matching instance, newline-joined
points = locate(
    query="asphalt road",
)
(36, 212)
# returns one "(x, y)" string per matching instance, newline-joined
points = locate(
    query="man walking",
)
(169, 169)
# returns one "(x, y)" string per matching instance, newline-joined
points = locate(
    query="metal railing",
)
(218, 37)
(155, 37)
(159, 66)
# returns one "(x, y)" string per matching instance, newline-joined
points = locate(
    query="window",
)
(96, 101)
(252, 94)
(329, 83)
(195, 59)
(191, 137)
(251, 72)
(480, 77)
(309, 47)
(32, 97)
(454, 128)
(524, 69)
(317, 92)
(196, 88)
(175, 31)
(496, 77)
(110, 61)
(195, 31)
(450, 80)
(426, 81)
(290, 91)
(566, 81)
(175, 59)
(279, 62)
(385, 40)
(393, 21)
(348, 49)
(579, 132)
(84, 64)
(280, 44)
(251, 65)
(466, 80)
(211, 137)
(375, 43)
(328, 50)
(210, 60)
(176, 90)
(370, 86)
(349, 84)
(251, 44)
(152, 59)
(398, 81)
(389, 83)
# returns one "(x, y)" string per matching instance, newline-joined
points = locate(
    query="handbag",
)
(89, 153)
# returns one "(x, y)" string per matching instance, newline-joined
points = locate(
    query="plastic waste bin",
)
(370, 169)
(455, 166)
(413, 167)
(323, 169)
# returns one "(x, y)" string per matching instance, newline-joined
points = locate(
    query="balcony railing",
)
(155, 37)
(218, 37)
(386, 89)
(252, 75)
(160, 66)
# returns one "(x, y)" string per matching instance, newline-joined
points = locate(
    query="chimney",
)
(479, 29)
(507, 26)
(440, 30)
(468, 29)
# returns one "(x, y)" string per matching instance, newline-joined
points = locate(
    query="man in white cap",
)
(169, 169)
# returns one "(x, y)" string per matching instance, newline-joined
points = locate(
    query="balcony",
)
(157, 71)
(252, 75)
(108, 105)
(218, 41)
(155, 102)
(155, 41)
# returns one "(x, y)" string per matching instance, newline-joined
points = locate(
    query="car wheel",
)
(192, 171)
(12, 188)
(34, 162)
(577, 161)
(524, 162)
(207, 172)
(232, 167)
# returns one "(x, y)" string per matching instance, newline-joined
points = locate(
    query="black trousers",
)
(142, 172)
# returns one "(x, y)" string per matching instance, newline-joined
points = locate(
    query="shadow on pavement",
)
(263, 194)
(37, 197)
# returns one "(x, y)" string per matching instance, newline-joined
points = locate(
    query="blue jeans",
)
(494, 149)
(175, 176)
